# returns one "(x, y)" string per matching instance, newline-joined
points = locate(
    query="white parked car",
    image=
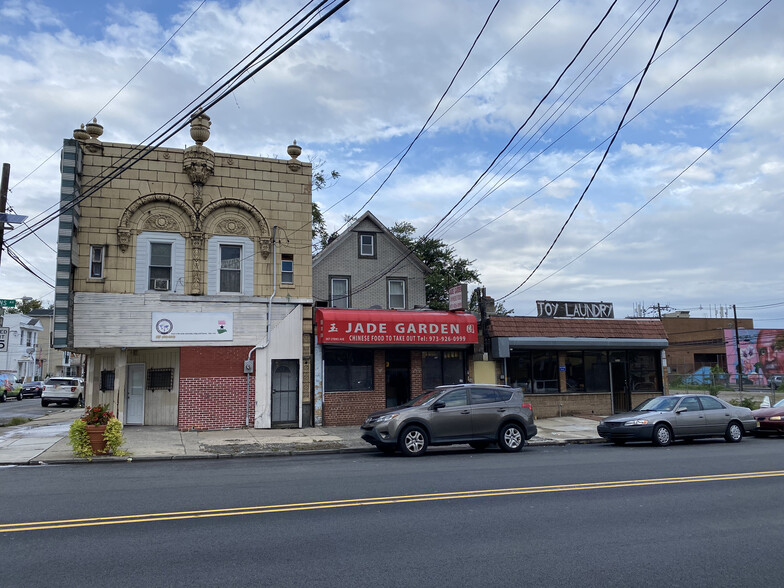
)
(63, 390)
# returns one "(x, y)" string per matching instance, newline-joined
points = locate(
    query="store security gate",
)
(285, 392)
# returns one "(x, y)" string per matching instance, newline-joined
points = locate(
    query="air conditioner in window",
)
(160, 285)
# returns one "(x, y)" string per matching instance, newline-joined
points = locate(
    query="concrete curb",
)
(255, 454)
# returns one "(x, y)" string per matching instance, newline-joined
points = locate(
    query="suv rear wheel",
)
(413, 441)
(511, 437)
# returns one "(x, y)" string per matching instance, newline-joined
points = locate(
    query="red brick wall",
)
(213, 388)
(344, 409)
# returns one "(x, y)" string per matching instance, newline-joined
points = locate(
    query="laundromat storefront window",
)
(580, 366)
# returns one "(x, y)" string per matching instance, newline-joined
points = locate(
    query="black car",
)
(32, 389)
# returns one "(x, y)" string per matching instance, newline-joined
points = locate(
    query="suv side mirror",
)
(439, 404)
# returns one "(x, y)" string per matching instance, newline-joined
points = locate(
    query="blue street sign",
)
(12, 218)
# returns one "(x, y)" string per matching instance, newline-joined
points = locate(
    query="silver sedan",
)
(681, 416)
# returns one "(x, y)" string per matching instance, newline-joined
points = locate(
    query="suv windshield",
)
(423, 399)
(659, 403)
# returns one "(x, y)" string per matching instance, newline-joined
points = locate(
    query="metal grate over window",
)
(160, 379)
(107, 380)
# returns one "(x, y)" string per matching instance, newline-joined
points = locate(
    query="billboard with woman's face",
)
(761, 353)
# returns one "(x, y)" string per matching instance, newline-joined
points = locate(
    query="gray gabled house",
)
(366, 266)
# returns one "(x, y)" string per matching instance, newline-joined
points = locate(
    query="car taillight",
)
(43, 387)
(528, 405)
(73, 388)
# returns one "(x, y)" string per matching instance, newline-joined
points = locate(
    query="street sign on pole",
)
(4, 333)
(12, 218)
(7, 303)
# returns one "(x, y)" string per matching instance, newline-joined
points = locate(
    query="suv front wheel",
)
(511, 437)
(413, 441)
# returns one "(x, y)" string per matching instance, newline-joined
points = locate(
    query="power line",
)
(606, 151)
(133, 77)
(661, 191)
(642, 110)
(424, 126)
(138, 152)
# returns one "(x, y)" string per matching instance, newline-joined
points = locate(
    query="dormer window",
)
(367, 245)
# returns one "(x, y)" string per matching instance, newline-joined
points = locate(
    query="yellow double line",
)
(256, 510)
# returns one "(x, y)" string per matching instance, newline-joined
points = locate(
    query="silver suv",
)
(476, 414)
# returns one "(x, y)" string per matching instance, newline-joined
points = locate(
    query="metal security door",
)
(135, 394)
(285, 392)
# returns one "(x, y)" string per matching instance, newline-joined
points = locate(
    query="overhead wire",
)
(429, 118)
(133, 77)
(137, 152)
(640, 112)
(604, 156)
(663, 189)
(369, 282)
(247, 72)
(557, 109)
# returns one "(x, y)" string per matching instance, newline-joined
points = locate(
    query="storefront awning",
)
(396, 327)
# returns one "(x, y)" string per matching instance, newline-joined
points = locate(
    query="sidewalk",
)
(45, 441)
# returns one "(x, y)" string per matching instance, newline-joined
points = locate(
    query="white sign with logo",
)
(4, 331)
(192, 326)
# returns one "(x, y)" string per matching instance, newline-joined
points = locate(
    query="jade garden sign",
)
(551, 309)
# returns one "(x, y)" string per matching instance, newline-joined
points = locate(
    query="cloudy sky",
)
(702, 145)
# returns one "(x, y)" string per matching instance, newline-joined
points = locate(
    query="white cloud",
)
(356, 91)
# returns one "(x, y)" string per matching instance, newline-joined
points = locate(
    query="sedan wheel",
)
(511, 438)
(734, 433)
(19, 396)
(662, 436)
(413, 442)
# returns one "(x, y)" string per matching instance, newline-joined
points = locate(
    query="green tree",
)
(26, 305)
(447, 269)
(320, 181)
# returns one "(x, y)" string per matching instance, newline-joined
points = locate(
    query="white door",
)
(135, 394)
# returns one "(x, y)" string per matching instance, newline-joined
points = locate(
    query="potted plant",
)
(97, 432)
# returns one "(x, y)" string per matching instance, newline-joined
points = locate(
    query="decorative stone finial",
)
(94, 129)
(200, 127)
(199, 161)
(80, 134)
(294, 151)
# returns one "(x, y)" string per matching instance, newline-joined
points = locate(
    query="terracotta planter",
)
(97, 441)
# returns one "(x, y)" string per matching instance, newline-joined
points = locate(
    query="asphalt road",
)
(703, 514)
(29, 408)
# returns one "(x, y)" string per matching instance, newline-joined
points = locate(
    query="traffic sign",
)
(12, 218)
(7, 303)
(4, 332)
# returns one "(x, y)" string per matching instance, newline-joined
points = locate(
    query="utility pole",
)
(739, 369)
(3, 200)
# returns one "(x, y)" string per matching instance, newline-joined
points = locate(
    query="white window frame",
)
(170, 266)
(343, 301)
(221, 269)
(246, 265)
(143, 249)
(101, 250)
(390, 281)
(371, 245)
(282, 271)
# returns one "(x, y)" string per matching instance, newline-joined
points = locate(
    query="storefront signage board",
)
(553, 309)
(192, 326)
(395, 327)
(458, 297)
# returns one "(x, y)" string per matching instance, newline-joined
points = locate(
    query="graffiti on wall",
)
(761, 353)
